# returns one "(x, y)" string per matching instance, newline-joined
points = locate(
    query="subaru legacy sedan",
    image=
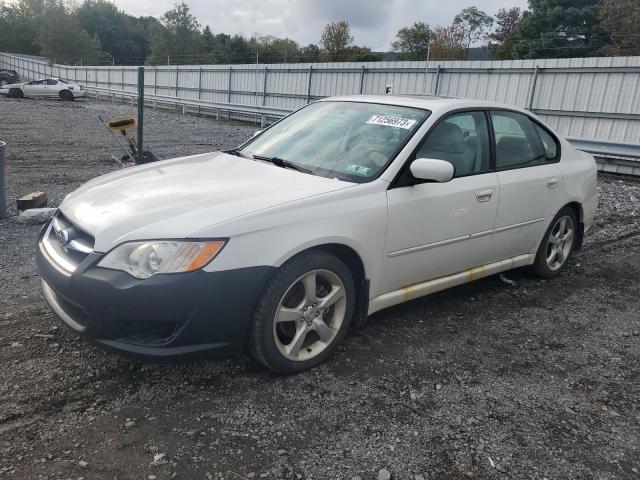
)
(348, 206)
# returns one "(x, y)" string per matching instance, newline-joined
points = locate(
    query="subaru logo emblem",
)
(62, 236)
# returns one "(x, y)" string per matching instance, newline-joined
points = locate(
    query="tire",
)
(15, 93)
(557, 244)
(66, 95)
(311, 324)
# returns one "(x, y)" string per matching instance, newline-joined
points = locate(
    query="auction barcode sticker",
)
(388, 121)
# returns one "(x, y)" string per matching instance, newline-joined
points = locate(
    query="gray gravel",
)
(488, 380)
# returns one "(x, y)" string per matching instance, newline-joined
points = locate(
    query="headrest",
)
(447, 137)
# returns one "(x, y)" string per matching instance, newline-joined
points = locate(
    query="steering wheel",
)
(366, 160)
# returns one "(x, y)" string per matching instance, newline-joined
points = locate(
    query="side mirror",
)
(430, 169)
(257, 132)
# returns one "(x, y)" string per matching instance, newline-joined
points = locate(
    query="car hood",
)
(177, 198)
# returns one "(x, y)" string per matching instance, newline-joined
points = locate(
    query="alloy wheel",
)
(309, 315)
(560, 242)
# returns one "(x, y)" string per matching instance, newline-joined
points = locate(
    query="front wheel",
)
(303, 313)
(557, 245)
(66, 95)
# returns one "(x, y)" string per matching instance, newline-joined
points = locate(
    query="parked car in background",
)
(45, 87)
(345, 207)
(8, 76)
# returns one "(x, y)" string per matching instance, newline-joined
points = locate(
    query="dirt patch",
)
(486, 380)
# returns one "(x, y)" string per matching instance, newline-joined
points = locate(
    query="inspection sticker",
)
(358, 169)
(388, 121)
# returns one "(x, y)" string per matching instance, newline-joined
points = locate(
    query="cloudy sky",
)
(374, 23)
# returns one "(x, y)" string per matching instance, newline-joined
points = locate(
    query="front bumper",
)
(164, 316)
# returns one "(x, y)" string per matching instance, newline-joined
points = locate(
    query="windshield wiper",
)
(236, 152)
(281, 162)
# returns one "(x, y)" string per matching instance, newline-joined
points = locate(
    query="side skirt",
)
(442, 283)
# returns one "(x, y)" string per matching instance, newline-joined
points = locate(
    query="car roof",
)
(435, 104)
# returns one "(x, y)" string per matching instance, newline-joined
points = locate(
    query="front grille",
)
(66, 244)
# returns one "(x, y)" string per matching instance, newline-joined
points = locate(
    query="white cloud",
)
(374, 22)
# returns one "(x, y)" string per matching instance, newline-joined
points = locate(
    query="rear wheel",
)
(303, 313)
(557, 244)
(66, 95)
(15, 93)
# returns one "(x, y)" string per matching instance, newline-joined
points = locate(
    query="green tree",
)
(336, 38)
(61, 37)
(502, 38)
(413, 42)
(179, 37)
(560, 28)
(474, 25)
(621, 20)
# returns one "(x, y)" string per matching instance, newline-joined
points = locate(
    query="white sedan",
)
(46, 87)
(348, 206)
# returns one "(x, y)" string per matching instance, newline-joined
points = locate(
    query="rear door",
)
(437, 229)
(526, 158)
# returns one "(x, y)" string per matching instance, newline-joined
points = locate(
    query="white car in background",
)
(45, 87)
(347, 206)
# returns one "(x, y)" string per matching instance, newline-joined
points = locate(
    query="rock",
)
(384, 474)
(282, 452)
(159, 459)
(35, 216)
(32, 200)
(82, 463)
(438, 386)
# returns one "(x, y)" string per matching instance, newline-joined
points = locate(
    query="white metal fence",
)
(590, 98)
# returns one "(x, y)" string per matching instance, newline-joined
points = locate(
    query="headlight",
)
(143, 259)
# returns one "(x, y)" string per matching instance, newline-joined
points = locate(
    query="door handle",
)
(553, 182)
(484, 195)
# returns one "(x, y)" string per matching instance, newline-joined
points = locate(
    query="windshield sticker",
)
(388, 121)
(358, 170)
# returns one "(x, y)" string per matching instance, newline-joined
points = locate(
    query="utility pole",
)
(168, 59)
(140, 114)
(257, 57)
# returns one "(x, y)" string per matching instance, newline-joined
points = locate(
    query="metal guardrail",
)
(612, 157)
(262, 112)
(606, 148)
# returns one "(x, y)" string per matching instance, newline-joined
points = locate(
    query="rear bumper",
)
(164, 317)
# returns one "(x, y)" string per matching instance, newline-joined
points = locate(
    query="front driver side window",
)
(461, 139)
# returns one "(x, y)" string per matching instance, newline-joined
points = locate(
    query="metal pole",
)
(532, 92)
(362, 79)
(3, 198)
(309, 84)
(177, 79)
(229, 90)
(264, 87)
(437, 80)
(140, 112)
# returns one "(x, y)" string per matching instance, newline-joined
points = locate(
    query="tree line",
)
(97, 32)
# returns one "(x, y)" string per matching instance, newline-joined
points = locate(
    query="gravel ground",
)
(488, 380)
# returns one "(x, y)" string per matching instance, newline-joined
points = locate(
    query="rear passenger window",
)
(518, 143)
(549, 143)
(52, 82)
(461, 139)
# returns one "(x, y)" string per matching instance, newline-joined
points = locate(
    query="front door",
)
(438, 229)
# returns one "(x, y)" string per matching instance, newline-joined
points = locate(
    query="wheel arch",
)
(579, 211)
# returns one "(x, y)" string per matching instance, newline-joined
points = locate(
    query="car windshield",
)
(354, 141)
